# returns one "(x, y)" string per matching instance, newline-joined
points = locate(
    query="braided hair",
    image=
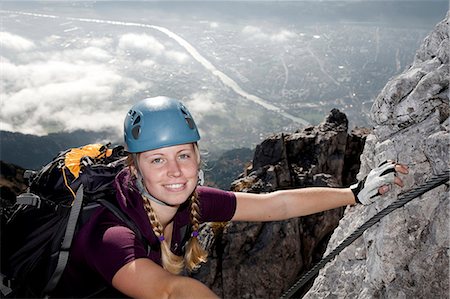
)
(194, 255)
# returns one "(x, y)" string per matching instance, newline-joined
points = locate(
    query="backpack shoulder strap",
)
(67, 241)
(124, 218)
(70, 231)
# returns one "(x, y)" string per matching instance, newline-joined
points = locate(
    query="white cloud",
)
(95, 54)
(15, 42)
(201, 103)
(64, 85)
(4, 126)
(68, 91)
(142, 42)
(49, 93)
(179, 57)
(251, 30)
(103, 42)
(43, 73)
(283, 35)
(129, 87)
(148, 63)
(104, 119)
(256, 33)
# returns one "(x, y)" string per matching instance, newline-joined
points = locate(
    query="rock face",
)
(261, 260)
(406, 254)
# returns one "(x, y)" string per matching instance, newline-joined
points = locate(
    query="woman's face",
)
(170, 173)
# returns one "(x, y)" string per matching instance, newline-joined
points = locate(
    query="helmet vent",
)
(190, 122)
(136, 131)
(137, 120)
(188, 118)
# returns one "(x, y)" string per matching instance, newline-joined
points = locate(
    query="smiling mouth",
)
(174, 186)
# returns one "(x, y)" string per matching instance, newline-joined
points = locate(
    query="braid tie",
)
(195, 215)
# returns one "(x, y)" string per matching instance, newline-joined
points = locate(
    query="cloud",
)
(252, 30)
(95, 54)
(283, 35)
(179, 57)
(148, 63)
(50, 90)
(141, 42)
(60, 96)
(39, 74)
(63, 84)
(15, 42)
(201, 103)
(256, 33)
(104, 42)
(148, 45)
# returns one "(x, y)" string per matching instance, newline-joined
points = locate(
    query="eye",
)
(157, 161)
(184, 156)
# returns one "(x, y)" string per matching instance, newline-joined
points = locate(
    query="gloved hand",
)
(381, 178)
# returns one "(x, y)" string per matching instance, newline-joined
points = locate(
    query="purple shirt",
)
(105, 244)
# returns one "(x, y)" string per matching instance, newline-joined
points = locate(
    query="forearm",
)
(306, 201)
(143, 278)
(285, 204)
(186, 287)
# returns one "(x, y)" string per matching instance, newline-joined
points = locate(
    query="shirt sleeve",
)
(216, 205)
(113, 245)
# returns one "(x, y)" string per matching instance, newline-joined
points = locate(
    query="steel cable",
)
(404, 198)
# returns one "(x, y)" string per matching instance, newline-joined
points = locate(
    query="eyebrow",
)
(146, 155)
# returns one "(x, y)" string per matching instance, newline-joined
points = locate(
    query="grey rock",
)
(421, 90)
(406, 254)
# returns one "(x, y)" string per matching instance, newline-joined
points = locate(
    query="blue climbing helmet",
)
(158, 122)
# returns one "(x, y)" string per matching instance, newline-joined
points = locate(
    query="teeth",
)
(174, 186)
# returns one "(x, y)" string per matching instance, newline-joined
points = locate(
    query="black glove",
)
(366, 190)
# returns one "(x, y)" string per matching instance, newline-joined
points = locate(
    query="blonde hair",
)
(194, 253)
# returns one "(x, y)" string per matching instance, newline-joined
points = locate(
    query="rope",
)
(404, 198)
(67, 184)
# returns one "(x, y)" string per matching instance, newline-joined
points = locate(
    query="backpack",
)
(36, 237)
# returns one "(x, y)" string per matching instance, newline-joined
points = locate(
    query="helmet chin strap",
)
(201, 178)
(144, 192)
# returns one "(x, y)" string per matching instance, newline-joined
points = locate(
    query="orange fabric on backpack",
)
(73, 158)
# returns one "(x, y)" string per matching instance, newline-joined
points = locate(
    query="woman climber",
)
(161, 192)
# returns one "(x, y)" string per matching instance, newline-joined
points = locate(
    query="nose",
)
(173, 169)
